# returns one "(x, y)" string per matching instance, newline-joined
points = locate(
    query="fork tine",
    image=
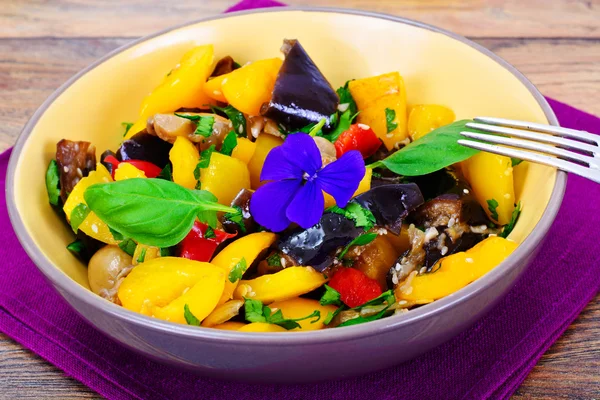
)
(538, 137)
(534, 157)
(535, 146)
(531, 126)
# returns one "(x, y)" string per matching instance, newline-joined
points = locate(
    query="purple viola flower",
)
(298, 180)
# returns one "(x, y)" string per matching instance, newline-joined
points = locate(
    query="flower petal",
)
(269, 203)
(341, 178)
(307, 206)
(297, 155)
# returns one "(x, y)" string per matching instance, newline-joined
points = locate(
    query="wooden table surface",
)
(555, 43)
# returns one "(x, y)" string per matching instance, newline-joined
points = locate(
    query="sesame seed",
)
(364, 126)
(224, 81)
(95, 228)
(283, 262)
(422, 270)
(217, 92)
(76, 147)
(66, 169)
(343, 107)
(395, 279)
(444, 250)
(466, 191)
(469, 260)
(507, 195)
(79, 172)
(241, 129)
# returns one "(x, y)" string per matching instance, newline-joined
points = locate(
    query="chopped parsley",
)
(235, 116)
(508, 228)
(53, 183)
(237, 218)
(238, 270)
(127, 126)
(274, 260)
(346, 98)
(361, 240)
(210, 233)
(128, 246)
(361, 216)
(78, 215)
(166, 251)
(386, 297)
(166, 173)
(204, 162)
(77, 248)
(257, 312)
(390, 116)
(515, 161)
(492, 207)
(142, 256)
(331, 296)
(204, 124)
(189, 317)
(229, 143)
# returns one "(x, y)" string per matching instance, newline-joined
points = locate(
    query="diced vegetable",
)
(375, 260)
(145, 147)
(184, 158)
(182, 87)
(456, 271)
(359, 137)
(244, 150)
(202, 242)
(264, 144)
(75, 160)
(249, 87)
(298, 307)
(163, 286)
(491, 178)
(223, 313)
(224, 177)
(247, 249)
(145, 253)
(261, 327)
(354, 286)
(286, 284)
(366, 90)
(127, 171)
(424, 118)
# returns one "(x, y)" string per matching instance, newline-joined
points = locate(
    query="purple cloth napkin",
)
(490, 360)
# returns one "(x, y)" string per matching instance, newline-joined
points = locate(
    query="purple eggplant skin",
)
(301, 95)
(316, 245)
(75, 159)
(241, 200)
(107, 165)
(145, 147)
(391, 204)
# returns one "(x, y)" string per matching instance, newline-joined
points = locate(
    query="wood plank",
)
(477, 18)
(31, 69)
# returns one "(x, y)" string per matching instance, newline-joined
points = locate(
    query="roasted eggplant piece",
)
(75, 160)
(316, 245)
(145, 147)
(224, 66)
(302, 95)
(391, 204)
(244, 225)
(109, 166)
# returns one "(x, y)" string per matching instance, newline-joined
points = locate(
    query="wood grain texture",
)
(554, 43)
(479, 18)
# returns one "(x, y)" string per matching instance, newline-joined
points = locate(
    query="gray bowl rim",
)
(60, 280)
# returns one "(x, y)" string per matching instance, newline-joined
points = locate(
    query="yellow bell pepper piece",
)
(163, 286)
(491, 178)
(285, 284)
(224, 177)
(424, 118)
(244, 150)
(229, 326)
(128, 171)
(299, 308)
(213, 88)
(148, 252)
(261, 327)
(247, 88)
(456, 271)
(91, 225)
(373, 96)
(182, 87)
(248, 248)
(223, 313)
(184, 156)
(363, 186)
(264, 144)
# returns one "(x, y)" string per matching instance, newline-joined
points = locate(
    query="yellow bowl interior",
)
(436, 68)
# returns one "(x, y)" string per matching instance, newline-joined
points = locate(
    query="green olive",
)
(106, 269)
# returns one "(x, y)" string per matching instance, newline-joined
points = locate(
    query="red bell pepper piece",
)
(149, 169)
(354, 286)
(358, 137)
(197, 246)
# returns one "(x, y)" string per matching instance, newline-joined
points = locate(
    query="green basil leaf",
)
(128, 246)
(346, 98)
(53, 183)
(238, 270)
(492, 205)
(361, 240)
(235, 116)
(432, 152)
(508, 228)
(229, 143)
(331, 296)
(390, 116)
(166, 251)
(154, 212)
(236, 217)
(79, 213)
(189, 317)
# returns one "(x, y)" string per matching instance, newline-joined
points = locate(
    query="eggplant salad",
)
(258, 198)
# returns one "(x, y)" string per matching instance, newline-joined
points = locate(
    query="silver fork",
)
(570, 150)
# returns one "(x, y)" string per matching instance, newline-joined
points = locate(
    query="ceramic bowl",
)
(438, 67)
